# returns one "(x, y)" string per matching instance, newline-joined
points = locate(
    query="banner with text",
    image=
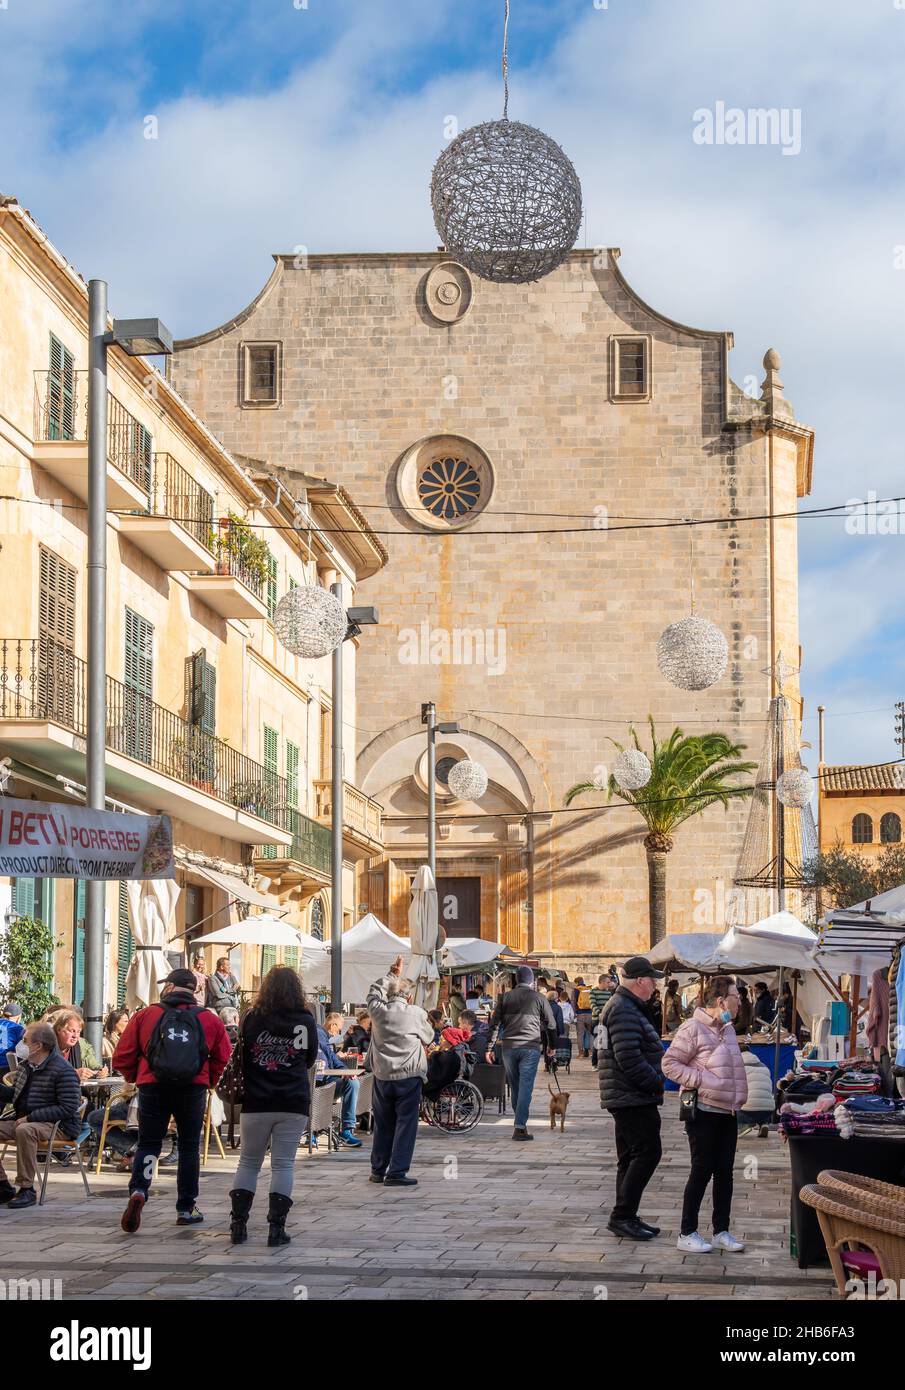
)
(41, 839)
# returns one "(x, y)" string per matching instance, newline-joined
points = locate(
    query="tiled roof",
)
(855, 778)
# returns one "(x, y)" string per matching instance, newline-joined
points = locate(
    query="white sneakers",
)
(697, 1245)
(727, 1241)
(694, 1244)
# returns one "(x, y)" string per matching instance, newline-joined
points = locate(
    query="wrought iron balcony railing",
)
(175, 493)
(229, 544)
(310, 844)
(41, 679)
(61, 413)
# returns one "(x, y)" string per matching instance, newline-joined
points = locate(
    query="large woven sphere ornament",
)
(794, 788)
(310, 621)
(632, 769)
(467, 780)
(692, 654)
(506, 199)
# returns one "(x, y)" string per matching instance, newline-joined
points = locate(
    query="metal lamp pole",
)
(137, 338)
(95, 776)
(429, 717)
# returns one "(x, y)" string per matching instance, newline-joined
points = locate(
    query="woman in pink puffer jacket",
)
(704, 1056)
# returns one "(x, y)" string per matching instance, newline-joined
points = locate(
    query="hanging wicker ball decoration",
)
(467, 780)
(632, 769)
(310, 621)
(506, 201)
(795, 787)
(692, 654)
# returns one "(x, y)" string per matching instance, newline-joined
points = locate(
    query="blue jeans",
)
(396, 1106)
(585, 1033)
(521, 1065)
(347, 1088)
(156, 1103)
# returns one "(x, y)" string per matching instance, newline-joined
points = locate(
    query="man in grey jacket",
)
(528, 1026)
(400, 1031)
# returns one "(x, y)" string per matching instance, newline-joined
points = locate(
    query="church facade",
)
(513, 447)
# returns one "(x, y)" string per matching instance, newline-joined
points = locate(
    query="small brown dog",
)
(559, 1104)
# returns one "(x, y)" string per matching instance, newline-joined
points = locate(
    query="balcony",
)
(154, 758)
(176, 530)
(306, 863)
(362, 819)
(61, 441)
(236, 589)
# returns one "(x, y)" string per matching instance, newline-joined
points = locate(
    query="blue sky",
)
(281, 126)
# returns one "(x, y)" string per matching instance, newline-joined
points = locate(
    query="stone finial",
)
(772, 389)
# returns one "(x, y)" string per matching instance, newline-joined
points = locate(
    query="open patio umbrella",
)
(151, 904)
(424, 938)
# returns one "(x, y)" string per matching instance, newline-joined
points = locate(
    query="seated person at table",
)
(230, 1020)
(114, 1027)
(12, 1030)
(346, 1086)
(437, 1020)
(446, 1062)
(120, 1138)
(358, 1038)
(222, 987)
(45, 1092)
(73, 1048)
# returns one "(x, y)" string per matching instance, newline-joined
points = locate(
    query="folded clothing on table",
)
(809, 1122)
(871, 1117)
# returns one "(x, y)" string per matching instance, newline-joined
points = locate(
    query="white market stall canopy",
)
(777, 940)
(368, 950)
(866, 932)
(470, 952)
(695, 951)
(264, 931)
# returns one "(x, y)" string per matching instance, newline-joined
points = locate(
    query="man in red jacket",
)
(162, 1061)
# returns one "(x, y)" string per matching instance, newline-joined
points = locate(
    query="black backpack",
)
(177, 1048)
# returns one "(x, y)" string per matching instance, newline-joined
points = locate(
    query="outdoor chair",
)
(365, 1106)
(60, 1144)
(855, 1228)
(320, 1120)
(858, 1186)
(210, 1128)
(491, 1082)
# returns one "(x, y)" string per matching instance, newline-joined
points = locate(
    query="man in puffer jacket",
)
(704, 1056)
(45, 1092)
(631, 1088)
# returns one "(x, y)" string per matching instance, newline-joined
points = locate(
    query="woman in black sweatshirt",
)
(278, 1038)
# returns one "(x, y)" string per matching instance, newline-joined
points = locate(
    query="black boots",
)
(238, 1222)
(276, 1215)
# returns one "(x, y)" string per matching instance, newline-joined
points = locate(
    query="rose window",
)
(449, 488)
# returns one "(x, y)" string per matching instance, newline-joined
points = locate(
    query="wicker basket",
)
(866, 1191)
(851, 1219)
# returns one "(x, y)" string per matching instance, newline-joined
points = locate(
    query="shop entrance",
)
(459, 906)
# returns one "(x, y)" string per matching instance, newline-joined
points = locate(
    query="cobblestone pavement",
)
(490, 1219)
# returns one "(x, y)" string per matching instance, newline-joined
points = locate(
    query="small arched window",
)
(862, 830)
(890, 829)
(317, 919)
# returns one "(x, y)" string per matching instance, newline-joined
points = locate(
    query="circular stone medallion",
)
(448, 292)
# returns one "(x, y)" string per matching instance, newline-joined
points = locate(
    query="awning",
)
(235, 887)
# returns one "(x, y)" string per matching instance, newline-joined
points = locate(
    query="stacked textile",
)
(860, 1081)
(811, 1117)
(871, 1117)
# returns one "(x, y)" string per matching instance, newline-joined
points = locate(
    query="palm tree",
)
(688, 774)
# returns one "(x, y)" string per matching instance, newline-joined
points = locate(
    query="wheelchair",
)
(458, 1108)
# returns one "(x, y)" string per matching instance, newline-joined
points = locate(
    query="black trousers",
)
(638, 1151)
(156, 1103)
(712, 1140)
(396, 1105)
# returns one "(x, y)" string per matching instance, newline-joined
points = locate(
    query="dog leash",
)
(553, 1070)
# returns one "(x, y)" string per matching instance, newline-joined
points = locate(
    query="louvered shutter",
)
(268, 958)
(139, 683)
(60, 392)
(124, 945)
(204, 693)
(78, 943)
(271, 587)
(292, 773)
(25, 897)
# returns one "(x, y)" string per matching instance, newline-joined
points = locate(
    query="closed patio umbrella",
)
(424, 938)
(151, 904)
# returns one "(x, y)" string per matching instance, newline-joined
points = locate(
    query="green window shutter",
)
(291, 957)
(271, 749)
(60, 392)
(139, 682)
(268, 959)
(292, 773)
(204, 693)
(271, 587)
(271, 762)
(25, 897)
(123, 946)
(78, 943)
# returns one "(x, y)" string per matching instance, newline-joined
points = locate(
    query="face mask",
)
(725, 1016)
(23, 1051)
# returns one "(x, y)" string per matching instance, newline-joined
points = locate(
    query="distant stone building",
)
(862, 808)
(472, 422)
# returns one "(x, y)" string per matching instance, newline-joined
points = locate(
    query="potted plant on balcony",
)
(192, 760)
(251, 796)
(238, 548)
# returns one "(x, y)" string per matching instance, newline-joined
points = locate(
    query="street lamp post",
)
(138, 338)
(429, 717)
